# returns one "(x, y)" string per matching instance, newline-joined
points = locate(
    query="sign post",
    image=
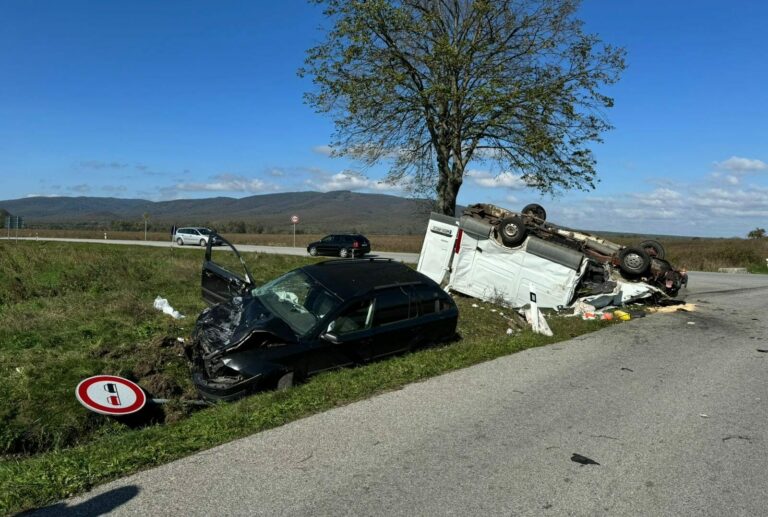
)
(294, 221)
(110, 395)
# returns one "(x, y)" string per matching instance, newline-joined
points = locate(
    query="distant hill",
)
(319, 212)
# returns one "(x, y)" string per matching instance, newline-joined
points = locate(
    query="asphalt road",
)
(672, 406)
(277, 250)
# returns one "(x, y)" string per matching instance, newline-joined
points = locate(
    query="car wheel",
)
(202, 243)
(634, 261)
(313, 251)
(654, 249)
(343, 252)
(180, 241)
(512, 230)
(536, 211)
(285, 382)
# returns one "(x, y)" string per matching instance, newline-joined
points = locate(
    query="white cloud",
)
(226, 183)
(504, 179)
(737, 165)
(348, 180)
(325, 150)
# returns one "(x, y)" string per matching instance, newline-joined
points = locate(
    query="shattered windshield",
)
(297, 299)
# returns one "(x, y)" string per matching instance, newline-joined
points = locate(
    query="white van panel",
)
(437, 250)
(487, 270)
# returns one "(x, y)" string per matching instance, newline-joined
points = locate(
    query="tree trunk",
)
(448, 190)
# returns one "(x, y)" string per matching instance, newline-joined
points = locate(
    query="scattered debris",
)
(578, 458)
(702, 415)
(603, 436)
(763, 350)
(737, 437)
(627, 369)
(688, 307)
(691, 323)
(162, 304)
(510, 332)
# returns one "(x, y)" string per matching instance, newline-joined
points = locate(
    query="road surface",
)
(672, 407)
(277, 250)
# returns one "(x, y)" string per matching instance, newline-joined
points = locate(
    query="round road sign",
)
(110, 395)
(295, 219)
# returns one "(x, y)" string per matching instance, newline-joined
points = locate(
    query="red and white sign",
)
(110, 395)
(295, 219)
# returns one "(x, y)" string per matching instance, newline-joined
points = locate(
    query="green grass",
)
(71, 311)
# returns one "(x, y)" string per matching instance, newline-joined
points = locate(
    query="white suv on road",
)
(193, 236)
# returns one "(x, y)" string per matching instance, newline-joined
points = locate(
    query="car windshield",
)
(204, 231)
(297, 299)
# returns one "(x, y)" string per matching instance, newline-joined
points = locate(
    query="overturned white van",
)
(469, 255)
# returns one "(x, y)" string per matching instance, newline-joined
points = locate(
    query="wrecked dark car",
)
(311, 319)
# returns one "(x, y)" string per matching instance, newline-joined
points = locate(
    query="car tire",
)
(512, 231)
(180, 241)
(634, 261)
(284, 382)
(654, 249)
(203, 243)
(313, 251)
(535, 210)
(343, 252)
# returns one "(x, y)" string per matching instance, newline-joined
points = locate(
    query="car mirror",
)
(331, 338)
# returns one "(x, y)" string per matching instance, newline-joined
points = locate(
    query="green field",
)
(69, 311)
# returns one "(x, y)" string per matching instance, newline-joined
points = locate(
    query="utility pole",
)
(146, 218)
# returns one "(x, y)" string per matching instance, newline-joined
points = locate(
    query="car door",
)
(326, 245)
(218, 284)
(192, 237)
(346, 340)
(394, 322)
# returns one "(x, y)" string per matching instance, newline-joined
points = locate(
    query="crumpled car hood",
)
(227, 325)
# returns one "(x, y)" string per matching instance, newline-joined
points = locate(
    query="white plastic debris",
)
(162, 304)
(474, 305)
(510, 332)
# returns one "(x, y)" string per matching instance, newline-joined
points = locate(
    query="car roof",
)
(349, 277)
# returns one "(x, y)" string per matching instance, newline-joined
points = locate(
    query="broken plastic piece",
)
(578, 458)
(162, 304)
(623, 316)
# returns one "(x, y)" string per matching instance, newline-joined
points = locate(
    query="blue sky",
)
(187, 99)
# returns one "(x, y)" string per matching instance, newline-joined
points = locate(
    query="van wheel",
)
(285, 382)
(654, 249)
(343, 252)
(634, 261)
(202, 243)
(536, 211)
(512, 231)
(180, 241)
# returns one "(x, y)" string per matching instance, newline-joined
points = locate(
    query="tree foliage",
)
(757, 233)
(432, 84)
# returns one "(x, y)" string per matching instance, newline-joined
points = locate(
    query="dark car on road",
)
(311, 319)
(341, 245)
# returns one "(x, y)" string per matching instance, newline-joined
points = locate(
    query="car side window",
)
(428, 299)
(328, 238)
(194, 232)
(354, 318)
(392, 305)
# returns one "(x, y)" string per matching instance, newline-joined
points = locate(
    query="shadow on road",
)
(98, 505)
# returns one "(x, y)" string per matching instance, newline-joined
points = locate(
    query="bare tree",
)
(432, 84)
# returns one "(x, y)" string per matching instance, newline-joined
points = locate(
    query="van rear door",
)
(437, 250)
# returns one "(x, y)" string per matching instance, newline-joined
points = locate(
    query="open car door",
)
(219, 284)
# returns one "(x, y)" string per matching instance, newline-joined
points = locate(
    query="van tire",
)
(535, 210)
(203, 243)
(512, 231)
(634, 261)
(654, 248)
(180, 241)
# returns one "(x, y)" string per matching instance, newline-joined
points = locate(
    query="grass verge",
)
(71, 311)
